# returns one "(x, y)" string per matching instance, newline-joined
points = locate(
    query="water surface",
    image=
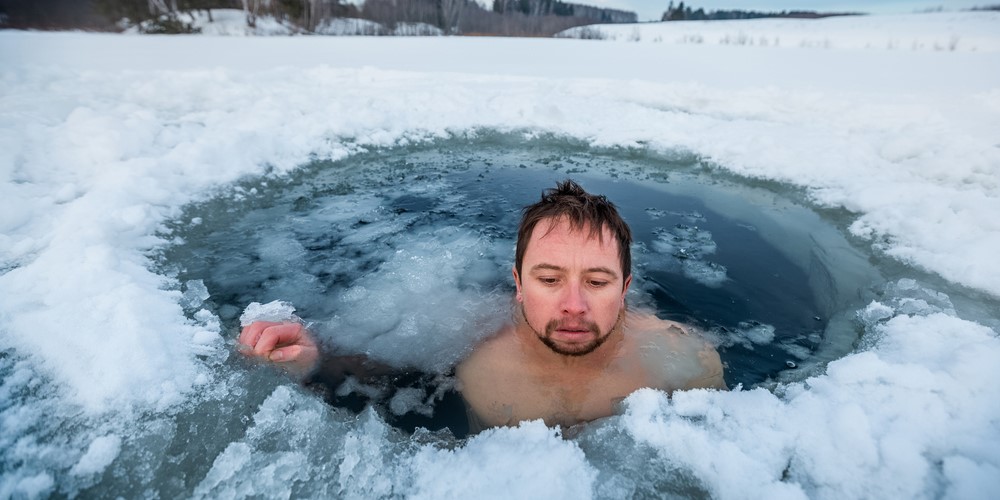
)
(404, 255)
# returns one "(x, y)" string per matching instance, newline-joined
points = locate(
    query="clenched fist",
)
(288, 344)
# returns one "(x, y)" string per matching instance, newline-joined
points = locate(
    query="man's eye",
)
(548, 281)
(598, 283)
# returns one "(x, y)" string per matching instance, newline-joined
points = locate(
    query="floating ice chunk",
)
(362, 472)
(35, 486)
(195, 294)
(410, 399)
(209, 320)
(276, 473)
(905, 297)
(688, 246)
(693, 216)
(655, 213)
(757, 333)
(352, 385)
(750, 333)
(99, 455)
(709, 274)
(276, 310)
(280, 249)
(874, 313)
(909, 297)
(420, 308)
(796, 350)
(685, 242)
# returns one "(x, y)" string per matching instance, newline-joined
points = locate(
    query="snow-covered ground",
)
(103, 138)
(951, 31)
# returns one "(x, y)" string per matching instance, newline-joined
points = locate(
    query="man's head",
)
(572, 269)
(584, 211)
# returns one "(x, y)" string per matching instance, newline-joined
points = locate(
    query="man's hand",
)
(289, 344)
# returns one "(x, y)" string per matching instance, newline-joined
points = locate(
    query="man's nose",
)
(574, 301)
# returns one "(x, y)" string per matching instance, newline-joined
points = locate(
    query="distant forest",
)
(682, 13)
(455, 17)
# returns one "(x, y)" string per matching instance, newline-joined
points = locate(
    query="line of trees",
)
(557, 8)
(686, 13)
(456, 17)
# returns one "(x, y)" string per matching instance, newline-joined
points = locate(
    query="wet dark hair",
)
(582, 210)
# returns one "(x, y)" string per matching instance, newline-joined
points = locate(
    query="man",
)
(573, 350)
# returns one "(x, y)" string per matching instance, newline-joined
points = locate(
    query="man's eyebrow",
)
(602, 270)
(548, 267)
(553, 267)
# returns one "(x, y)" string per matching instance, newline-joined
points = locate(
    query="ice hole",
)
(404, 255)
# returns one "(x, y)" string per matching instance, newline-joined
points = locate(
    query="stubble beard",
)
(583, 349)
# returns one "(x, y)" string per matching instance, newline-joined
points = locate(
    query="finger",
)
(251, 333)
(281, 334)
(286, 354)
(296, 359)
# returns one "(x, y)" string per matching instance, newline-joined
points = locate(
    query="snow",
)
(231, 22)
(272, 311)
(104, 138)
(348, 26)
(948, 32)
(99, 455)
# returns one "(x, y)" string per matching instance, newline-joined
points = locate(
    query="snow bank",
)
(228, 22)
(97, 152)
(349, 26)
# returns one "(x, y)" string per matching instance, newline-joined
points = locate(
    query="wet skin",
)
(572, 351)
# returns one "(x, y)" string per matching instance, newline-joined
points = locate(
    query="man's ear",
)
(628, 281)
(517, 282)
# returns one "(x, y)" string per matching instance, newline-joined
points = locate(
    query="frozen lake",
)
(866, 177)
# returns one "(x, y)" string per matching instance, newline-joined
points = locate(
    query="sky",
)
(652, 9)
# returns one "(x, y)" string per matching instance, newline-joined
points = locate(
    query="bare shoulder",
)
(674, 354)
(487, 357)
(485, 381)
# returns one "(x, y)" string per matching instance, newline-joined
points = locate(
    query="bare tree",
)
(162, 6)
(252, 8)
(451, 15)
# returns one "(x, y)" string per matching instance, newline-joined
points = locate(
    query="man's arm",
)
(290, 345)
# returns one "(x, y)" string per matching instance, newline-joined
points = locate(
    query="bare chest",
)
(506, 397)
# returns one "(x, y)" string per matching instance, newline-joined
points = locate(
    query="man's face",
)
(572, 289)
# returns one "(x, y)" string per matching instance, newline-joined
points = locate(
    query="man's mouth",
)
(572, 329)
(572, 337)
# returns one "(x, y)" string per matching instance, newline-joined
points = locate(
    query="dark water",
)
(771, 282)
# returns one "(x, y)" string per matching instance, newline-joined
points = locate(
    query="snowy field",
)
(109, 388)
(940, 32)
